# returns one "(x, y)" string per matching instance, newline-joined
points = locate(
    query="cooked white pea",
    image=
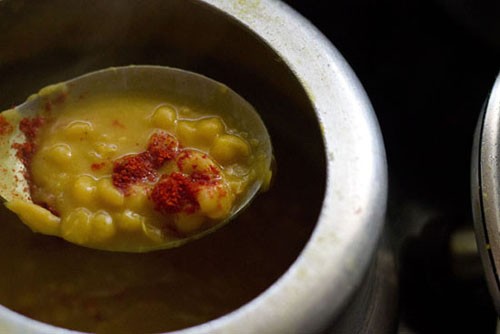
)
(77, 130)
(102, 226)
(108, 194)
(164, 117)
(187, 223)
(76, 227)
(84, 190)
(130, 221)
(228, 149)
(60, 154)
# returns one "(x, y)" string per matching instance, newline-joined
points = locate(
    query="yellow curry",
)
(115, 171)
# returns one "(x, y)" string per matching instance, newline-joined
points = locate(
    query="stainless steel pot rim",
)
(331, 266)
(485, 190)
(333, 262)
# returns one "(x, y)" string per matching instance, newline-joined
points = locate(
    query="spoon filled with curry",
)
(133, 158)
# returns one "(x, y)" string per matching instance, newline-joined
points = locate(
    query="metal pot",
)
(294, 260)
(485, 190)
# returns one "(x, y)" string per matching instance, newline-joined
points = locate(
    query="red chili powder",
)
(175, 193)
(29, 127)
(132, 169)
(162, 147)
(97, 166)
(135, 168)
(5, 127)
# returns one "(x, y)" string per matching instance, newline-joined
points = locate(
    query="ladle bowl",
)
(173, 84)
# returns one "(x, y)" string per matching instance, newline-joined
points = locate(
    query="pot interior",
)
(72, 287)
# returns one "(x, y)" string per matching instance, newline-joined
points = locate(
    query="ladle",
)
(173, 83)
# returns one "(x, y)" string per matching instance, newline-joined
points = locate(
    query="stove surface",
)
(427, 66)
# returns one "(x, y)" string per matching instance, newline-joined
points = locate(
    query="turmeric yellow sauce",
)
(125, 171)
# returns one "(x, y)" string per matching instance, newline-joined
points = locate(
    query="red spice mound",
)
(162, 147)
(24, 152)
(5, 127)
(132, 169)
(175, 193)
(135, 168)
(29, 127)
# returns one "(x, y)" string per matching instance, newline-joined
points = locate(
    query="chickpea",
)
(228, 149)
(60, 154)
(78, 130)
(215, 202)
(208, 129)
(137, 200)
(102, 226)
(164, 117)
(105, 150)
(200, 133)
(130, 221)
(76, 226)
(84, 189)
(190, 161)
(153, 233)
(109, 194)
(188, 223)
(186, 133)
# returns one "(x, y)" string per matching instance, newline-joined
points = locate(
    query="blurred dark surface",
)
(427, 67)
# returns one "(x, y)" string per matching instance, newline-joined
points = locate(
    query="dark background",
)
(427, 66)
